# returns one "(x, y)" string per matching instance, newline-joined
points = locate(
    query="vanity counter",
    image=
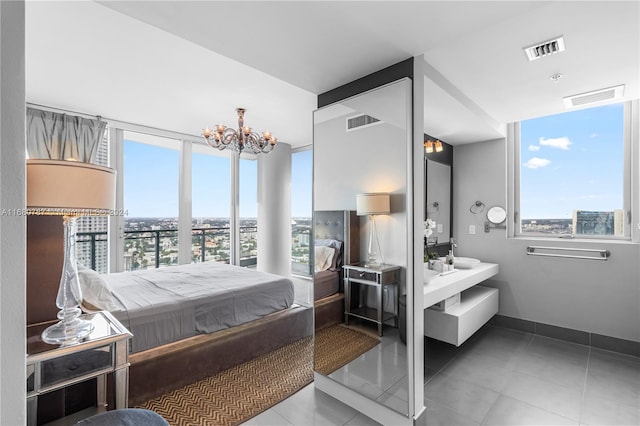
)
(439, 287)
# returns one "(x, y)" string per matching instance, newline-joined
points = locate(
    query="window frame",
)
(631, 183)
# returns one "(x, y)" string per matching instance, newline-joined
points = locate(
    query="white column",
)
(234, 212)
(274, 211)
(116, 222)
(184, 206)
(12, 221)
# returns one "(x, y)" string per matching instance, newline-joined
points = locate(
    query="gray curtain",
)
(58, 136)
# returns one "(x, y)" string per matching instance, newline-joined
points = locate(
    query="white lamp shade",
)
(368, 204)
(57, 187)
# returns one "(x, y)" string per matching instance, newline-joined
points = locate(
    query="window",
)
(210, 194)
(248, 177)
(301, 212)
(573, 174)
(150, 174)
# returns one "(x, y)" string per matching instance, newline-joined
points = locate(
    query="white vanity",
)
(456, 323)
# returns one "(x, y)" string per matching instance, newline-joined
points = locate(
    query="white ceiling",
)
(181, 65)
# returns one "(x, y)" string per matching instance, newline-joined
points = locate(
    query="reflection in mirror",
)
(496, 215)
(361, 146)
(438, 205)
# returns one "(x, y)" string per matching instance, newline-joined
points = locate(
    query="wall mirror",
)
(361, 145)
(496, 215)
(439, 197)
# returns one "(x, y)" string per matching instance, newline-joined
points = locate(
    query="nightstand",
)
(382, 277)
(52, 367)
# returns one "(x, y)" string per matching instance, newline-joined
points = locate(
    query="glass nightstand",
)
(51, 367)
(381, 277)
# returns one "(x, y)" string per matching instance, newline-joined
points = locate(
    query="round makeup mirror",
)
(496, 215)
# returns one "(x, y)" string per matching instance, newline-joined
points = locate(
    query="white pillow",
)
(95, 289)
(322, 258)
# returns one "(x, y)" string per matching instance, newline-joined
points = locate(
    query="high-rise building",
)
(96, 226)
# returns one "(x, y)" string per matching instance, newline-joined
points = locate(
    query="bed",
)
(192, 321)
(337, 230)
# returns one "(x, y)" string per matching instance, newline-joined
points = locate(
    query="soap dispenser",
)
(449, 260)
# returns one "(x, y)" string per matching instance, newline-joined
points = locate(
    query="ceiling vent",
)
(546, 48)
(360, 121)
(594, 97)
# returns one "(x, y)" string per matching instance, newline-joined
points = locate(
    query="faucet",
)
(453, 244)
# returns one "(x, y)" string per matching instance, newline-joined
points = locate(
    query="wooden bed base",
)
(160, 370)
(329, 311)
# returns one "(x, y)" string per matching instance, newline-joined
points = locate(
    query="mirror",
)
(439, 196)
(496, 215)
(438, 205)
(361, 145)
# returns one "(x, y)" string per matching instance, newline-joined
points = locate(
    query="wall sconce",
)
(430, 146)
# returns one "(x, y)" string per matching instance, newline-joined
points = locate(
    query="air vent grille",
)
(594, 97)
(360, 121)
(546, 48)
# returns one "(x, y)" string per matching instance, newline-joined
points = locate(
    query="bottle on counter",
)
(449, 260)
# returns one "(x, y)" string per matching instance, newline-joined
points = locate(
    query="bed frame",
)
(342, 225)
(165, 368)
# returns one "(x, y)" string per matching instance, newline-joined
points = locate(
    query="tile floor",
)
(499, 377)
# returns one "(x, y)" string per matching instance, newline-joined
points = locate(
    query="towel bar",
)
(604, 254)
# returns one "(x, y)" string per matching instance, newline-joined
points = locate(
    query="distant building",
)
(598, 223)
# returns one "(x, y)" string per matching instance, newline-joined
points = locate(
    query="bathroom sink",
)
(464, 262)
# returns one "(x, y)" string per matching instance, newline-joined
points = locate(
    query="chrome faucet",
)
(453, 245)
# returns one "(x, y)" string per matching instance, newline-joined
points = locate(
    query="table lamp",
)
(373, 204)
(69, 189)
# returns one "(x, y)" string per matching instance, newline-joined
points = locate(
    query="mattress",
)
(325, 283)
(165, 305)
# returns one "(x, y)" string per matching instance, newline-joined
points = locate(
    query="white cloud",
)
(593, 135)
(534, 148)
(536, 163)
(561, 143)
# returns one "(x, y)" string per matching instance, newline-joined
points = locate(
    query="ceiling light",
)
(555, 77)
(244, 138)
(595, 96)
(431, 146)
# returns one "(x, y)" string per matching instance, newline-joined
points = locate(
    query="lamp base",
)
(67, 332)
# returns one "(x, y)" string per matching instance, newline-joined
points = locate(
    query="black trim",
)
(379, 78)
(444, 157)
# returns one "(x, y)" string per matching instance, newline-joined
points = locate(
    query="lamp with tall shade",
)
(373, 204)
(69, 189)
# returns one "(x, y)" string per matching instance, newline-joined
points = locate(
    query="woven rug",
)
(239, 393)
(338, 345)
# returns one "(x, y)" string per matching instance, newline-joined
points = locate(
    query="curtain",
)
(58, 136)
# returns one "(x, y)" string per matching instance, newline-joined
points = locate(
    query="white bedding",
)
(164, 305)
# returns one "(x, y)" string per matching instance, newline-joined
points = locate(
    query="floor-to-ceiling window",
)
(248, 187)
(301, 211)
(150, 175)
(211, 195)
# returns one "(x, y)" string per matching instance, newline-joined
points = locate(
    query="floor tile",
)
(268, 418)
(482, 370)
(613, 386)
(310, 406)
(549, 396)
(441, 415)
(362, 420)
(600, 411)
(397, 404)
(546, 347)
(511, 412)
(460, 396)
(565, 371)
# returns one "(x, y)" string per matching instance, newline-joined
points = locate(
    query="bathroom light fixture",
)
(244, 138)
(430, 146)
(372, 205)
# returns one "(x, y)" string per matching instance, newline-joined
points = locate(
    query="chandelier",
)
(222, 137)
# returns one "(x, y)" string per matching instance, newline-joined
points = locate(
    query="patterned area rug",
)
(235, 395)
(338, 345)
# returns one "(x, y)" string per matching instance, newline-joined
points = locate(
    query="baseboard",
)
(614, 344)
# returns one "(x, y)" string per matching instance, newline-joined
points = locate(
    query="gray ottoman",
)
(125, 417)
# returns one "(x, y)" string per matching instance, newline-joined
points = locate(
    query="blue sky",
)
(572, 161)
(151, 183)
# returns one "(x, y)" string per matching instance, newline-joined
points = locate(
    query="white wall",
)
(593, 296)
(12, 227)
